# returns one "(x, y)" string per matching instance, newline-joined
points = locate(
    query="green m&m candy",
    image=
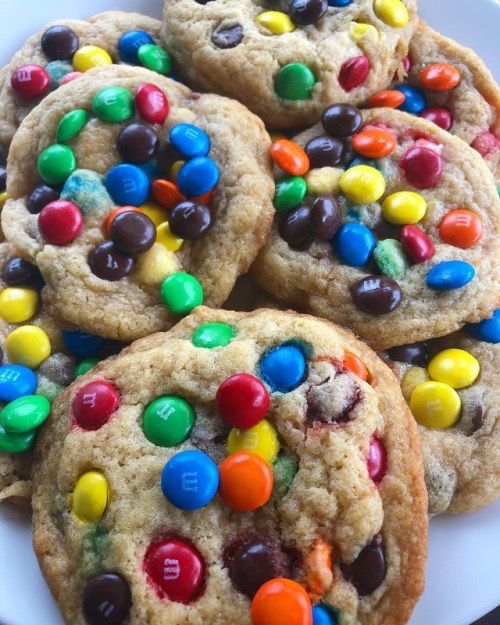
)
(85, 365)
(294, 81)
(155, 58)
(181, 292)
(25, 414)
(56, 163)
(215, 334)
(168, 421)
(71, 124)
(289, 193)
(113, 104)
(11, 443)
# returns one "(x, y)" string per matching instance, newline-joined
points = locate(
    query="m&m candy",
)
(487, 330)
(28, 345)
(190, 480)
(168, 420)
(110, 590)
(262, 439)
(246, 481)
(283, 368)
(213, 334)
(94, 404)
(435, 405)
(242, 401)
(90, 497)
(450, 274)
(24, 414)
(129, 44)
(189, 140)
(16, 381)
(281, 601)
(454, 367)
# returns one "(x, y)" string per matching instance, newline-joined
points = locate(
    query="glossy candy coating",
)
(30, 81)
(108, 263)
(18, 304)
(376, 295)
(132, 232)
(289, 193)
(354, 244)
(113, 104)
(295, 227)
(70, 125)
(354, 364)
(450, 274)
(275, 21)
(422, 167)
(190, 220)
(129, 44)
(213, 334)
(60, 222)
(341, 120)
(354, 72)
(392, 12)
(89, 57)
(281, 601)
(435, 405)
(246, 481)
(242, 401)
(94, 404)
(414, 101)
(166, 193)
(24, 414)
(261, 439)
(17, 271)
(295, 81)
(487, 330)
(16, 381)
(416, 244)
(41, 195)
(439, 77)
(106, 599)
(324, 151)
(84, 366)
(376, 460)
(390, 99)
(283, 368)
(56, 163)
(189, 140)
(28, 345)
(59, 43)
(168, 421)
(362, 184)
(198, 176)
(367, 572)
(155, 58)
(461, 227)
(226, 37)
(438, 115)
(137, 142)
(190, 480)
(412, 353)
(454, 367)
(127, 184)
(290, 157)
(152, 104)
(11, 443)
(374, 142)
(181, 292)
(323, 615)
(305, 12)
(90, 497)
(404, 207)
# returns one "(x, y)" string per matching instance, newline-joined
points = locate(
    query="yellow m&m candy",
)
(18, 304)
(362, 184)
(404, 207)
(275, 21)
(90, 497)
(361, 31)
(261, 439)
(88, 57)
(28, 346)
(166, 238)
(174, 170)
(155, 212)
(411, 379)
(455, 367)
(392, 12)
(156, 264)
(3, 198)
(435, 405)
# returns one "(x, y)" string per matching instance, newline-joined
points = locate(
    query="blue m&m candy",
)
(338, 3)
(414, 101)
(82, 344)
(487, 330)
(198, 176)
(283, 368)
(450, 274)
(354, 244)
(323, 615)
(129, 44)
(127, 185)
(190, 480)
(16, 381)
(189, 140)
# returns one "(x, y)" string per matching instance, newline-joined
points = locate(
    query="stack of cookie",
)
(263, 467)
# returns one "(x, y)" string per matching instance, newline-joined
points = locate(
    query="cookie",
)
(384, 223)
(451, 385)
(287, 61)
(38, 359)
(449, 85)
(137, 199)
(238, 469)
(65, 49)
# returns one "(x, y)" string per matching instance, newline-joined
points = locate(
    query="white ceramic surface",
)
(463, 580)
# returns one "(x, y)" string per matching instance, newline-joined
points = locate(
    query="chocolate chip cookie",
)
(384, 223)
(288, 60)
(137, 199)
(241, 468)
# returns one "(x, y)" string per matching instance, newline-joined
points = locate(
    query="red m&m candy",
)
(461, 228)
(242, 401)
(94, 404)
(422, 167)
(376, 460)
(416, 244)
(438, 115)
(281, 601)
(354, 72)
(30, 81)
(439, 77)
(151, 103)
(60, 222)
(176, 569)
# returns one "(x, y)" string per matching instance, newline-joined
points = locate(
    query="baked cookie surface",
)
(451, 385)
(320, 489)
(137, 199)
(386, 224)
(286, 61)
(449, 85)
(65, 49)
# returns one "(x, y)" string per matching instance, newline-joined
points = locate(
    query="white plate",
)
(463, 581)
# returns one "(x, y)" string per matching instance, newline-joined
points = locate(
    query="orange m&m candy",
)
(281, 601)
(391, 98)
(461, 227)
(246, 481)
(114, 213)
(290, 157)
(353, 364)
(439, 77)
(374, 142)
(166, 193)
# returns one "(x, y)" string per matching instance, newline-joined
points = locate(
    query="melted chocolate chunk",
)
(333, 400)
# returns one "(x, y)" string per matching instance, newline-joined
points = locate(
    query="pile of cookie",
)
(187, 463)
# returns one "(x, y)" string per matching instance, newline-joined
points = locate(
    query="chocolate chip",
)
(106, 599)
(478, 418)
(376, 295)
(60, 43)
(294, 227)
(108, 263)
(19, 271)
(412, 353)
(133, 232)
(227, 36)
(190, 220)
(304, 12)
(252, 559)
(326, 217)
(324, 151)
(137, 142)
(368, 570)
(3, 178)
(341, 120)
(40, 197)
(333, 400)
